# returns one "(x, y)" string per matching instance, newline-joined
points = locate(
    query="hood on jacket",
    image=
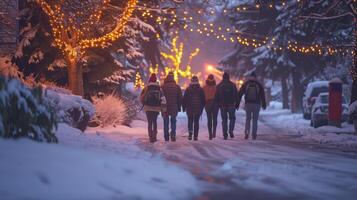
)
(154, 84)
(226, 76)
(170, 78)
(152, 78)
(210, 80)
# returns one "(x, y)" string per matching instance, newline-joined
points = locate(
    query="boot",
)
(254, 136)
(246, 136)
(210, 136)
(195, 136)
(190, 136)
(225, 136)
(231, 135)
(173, 138)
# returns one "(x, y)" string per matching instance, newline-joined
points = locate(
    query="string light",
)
(175, 56)
(71, 37)
(138, 81)
(225, 34)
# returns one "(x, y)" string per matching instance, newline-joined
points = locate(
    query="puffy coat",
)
(220, 96)
(194, 100)
(210, 90)
(173, 95)
(151, 86)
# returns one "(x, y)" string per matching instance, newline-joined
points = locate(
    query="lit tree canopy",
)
(175, 56)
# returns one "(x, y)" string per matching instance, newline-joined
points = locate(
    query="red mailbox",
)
(335, 102)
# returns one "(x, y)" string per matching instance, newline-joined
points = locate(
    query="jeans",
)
(167, 120)
(252, 111)
(212, 120)
(193, 124)
(225, 113)
(152, 124)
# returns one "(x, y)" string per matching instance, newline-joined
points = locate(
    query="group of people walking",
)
(224, 97)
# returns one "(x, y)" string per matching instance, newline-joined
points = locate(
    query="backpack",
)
(153, 97)
(227, 94)
(252, 92)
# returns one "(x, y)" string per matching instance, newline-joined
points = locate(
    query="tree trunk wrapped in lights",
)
(176, 58)
(74, 28)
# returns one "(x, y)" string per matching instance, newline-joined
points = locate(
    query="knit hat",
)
(152, 78)
(210, 80)
(225, 76)
(210, 77)
(194, 79)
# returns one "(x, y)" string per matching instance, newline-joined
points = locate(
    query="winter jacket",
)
(151, 86)
(260, 92)
(173, 95)
(194, 100)
(210, 92)
(220, 97)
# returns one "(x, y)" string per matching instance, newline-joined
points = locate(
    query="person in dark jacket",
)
(211, 105)
(227, 99)
(193, 104)
(254, 97)
(173, 95)
(152, 98)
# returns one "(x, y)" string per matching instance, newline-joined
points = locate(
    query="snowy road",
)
(119, 163)
(276, 166)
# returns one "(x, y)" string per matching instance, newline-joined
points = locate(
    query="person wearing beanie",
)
(152, 99)
(227, 99)
(254, 97)
(211, 105)
(173, 95)
(193, 104)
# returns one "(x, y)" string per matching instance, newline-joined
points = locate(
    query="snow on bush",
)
(71, 109)
(111, 110)
(24, 112)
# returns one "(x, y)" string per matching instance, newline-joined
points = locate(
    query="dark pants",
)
(193, 124)
(252, 112)
(167, 120)
(152, 124)
(212, 113)
(225, 113)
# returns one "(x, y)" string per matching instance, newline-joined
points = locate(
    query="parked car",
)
(319, 115)
(312, 91)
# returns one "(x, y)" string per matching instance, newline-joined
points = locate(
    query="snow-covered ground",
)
(88, 166)
(296, 124)
(119, 163)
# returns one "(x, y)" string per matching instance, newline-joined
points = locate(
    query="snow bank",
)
(31, 170)
(295, 124)
(71, 109)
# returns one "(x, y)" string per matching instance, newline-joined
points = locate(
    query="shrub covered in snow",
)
(70, 109)
(24, 112)
(111, 110)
